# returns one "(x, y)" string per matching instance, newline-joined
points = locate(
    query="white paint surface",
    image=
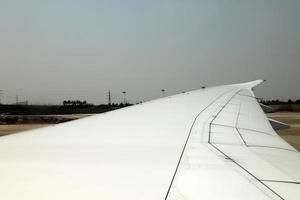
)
(133, 153)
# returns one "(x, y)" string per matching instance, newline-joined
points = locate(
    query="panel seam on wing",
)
(182, 153)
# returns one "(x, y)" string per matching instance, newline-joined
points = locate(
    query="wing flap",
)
(277, 125)
(240, 135)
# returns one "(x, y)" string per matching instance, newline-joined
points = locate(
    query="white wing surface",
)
(214, 143)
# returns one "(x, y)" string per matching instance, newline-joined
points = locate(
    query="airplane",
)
(213, 143)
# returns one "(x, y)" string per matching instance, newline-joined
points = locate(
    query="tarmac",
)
(291, 135)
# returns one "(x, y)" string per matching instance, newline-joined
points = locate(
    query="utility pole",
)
(124, 96)
(1, 94)
(109, 98)
(163, 92)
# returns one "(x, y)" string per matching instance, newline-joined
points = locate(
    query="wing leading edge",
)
(214, 143)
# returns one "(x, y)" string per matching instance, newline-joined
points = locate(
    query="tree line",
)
(85, 104)
(277, 102)
(76, 103)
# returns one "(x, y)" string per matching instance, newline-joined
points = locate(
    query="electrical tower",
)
(1, 95)
(109, 98)
(124, 96)
(163, 92)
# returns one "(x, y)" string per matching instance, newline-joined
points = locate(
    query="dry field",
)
(291, 135)
(15, 128)
(10, 129)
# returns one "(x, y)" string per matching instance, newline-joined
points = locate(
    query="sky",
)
(52, 50)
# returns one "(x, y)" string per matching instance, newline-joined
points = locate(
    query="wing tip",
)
(251, 84)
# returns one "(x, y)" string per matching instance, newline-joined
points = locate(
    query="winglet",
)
(251, 85)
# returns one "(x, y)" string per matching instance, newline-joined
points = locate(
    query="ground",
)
(292, 135)
(9, 129)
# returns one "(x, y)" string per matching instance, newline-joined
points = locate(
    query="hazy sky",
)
(53, 50)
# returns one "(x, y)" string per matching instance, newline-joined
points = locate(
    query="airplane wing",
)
(213, 143)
